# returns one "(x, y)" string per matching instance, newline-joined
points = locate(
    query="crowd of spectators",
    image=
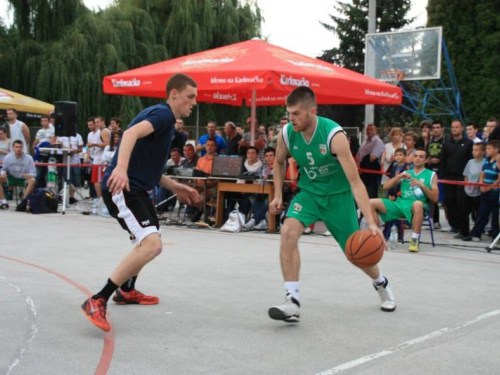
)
(456, 153)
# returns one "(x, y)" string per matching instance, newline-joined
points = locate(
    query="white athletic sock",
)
(415, 235)
(292, 287)
(380, 280)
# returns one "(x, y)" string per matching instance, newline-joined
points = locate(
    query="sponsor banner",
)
(382, 94)
(133, 82)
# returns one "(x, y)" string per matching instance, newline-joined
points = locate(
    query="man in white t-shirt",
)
(75, 143)
(43, 136)
(18, 130)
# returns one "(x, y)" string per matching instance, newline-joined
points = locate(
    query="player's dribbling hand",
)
(377, 232)
(276, 206)
(187, 195)
(118, 181)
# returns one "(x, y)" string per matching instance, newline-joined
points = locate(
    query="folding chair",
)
(18, 185)
(401, 222)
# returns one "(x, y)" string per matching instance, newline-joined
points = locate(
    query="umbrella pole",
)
(253, 114)
(197, 123)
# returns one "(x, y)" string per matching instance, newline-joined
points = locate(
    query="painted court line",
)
(109, 337)
(32, 320)
(407, 344)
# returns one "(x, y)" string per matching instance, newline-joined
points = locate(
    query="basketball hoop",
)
(393, 76)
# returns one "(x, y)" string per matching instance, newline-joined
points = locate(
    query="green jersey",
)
(320, 171)
(416, 193)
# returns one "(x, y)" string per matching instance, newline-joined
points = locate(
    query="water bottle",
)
(52, 176)
(393, 238)
(28, 206)
(418, 192)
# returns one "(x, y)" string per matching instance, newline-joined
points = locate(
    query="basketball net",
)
(392, 76)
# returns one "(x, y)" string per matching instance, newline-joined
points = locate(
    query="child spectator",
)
(410, 142)
(398, 166)
(488, 203)
(472, 172)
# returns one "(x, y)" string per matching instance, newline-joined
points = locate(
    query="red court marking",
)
(109, 337)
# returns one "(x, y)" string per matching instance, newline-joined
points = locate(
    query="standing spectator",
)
(191, 158)
(410, 141)
(180, 137)
(42, 139)
(492, 129)
(260, 140)
(425, 135)
(354, 146)
(93, 138)
(4, 144)
(211, 133)
(456, 153)
(18, 130)
(115, 124)
(472, 173)
(99, 145)
(398, 166)
(435, 151)
(17, 167)
(110, 150)
(396, 135)
(262, 128)
(283, 122)
(489, 198)
(232, 139)
(369, 157)
(75, 143)
(471, 129)
(240, 130)
(179, 126)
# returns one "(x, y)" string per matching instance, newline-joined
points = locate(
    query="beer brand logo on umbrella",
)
(322, 149)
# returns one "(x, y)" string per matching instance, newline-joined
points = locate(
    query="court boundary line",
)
(109, 337)
(383, 353)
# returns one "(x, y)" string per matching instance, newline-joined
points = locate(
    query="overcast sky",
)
(291, 24)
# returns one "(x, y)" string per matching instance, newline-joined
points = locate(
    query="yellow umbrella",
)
(24, 104)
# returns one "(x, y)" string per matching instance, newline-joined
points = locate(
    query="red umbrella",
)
(227, 75)
(255, 69)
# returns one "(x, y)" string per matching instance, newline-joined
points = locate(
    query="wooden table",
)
(224, 187)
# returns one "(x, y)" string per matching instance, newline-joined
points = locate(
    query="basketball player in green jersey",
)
(418, 186)
(329, 183)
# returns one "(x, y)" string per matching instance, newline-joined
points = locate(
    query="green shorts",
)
(400, 208)
(12, 181)
(337, 211)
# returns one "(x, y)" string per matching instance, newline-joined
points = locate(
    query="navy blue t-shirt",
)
(150, 154)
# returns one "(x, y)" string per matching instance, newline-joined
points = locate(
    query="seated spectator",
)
(190, 157)
(418, 186)
(472, 172)
(410, 142)
(175, 158)
(207, 188)
(398, 166)
(267, 170)
(252, 164)
(259, 137)
(488, 203)
(18, 168)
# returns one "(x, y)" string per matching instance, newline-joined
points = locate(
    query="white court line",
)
(34, 329)
(407, 344)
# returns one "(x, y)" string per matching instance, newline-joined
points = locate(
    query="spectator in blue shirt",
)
(211, 129)
(488, 203)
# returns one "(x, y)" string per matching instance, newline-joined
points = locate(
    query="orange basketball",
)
(364, 250)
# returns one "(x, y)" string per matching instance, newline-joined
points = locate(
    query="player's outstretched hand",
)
(276, 206)
(377, 232)
(187, 195)
(118, 181)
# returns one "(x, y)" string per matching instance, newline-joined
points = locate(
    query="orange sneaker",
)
(95, 312)
(134, 297)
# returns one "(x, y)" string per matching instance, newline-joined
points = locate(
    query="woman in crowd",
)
(272, 137)
(396, 136)
(4, 144)
(425, 135)
(109, 151)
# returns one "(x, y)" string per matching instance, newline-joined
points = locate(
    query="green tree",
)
(472, 35)
(350, 27)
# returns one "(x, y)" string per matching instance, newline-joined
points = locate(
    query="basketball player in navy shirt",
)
(136, 169)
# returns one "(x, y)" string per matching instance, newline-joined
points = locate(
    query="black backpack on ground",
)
(42, 201)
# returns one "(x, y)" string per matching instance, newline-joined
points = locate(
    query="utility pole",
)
(370, 64)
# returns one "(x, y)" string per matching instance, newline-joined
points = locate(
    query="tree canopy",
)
(59, 50)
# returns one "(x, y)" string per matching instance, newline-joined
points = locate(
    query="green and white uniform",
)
(325, 192)
(402, 207)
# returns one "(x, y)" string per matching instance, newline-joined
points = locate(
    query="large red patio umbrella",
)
(259, 73)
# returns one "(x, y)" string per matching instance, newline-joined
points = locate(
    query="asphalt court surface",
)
(215, 289)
